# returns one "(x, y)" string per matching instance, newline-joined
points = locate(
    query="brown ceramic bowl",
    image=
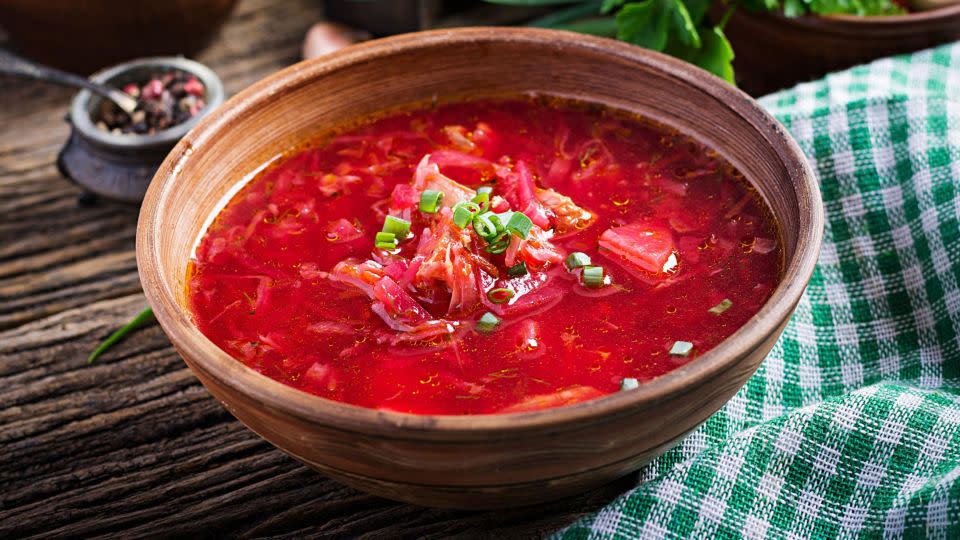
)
(484, 461)
(774, 52)
(85, 35)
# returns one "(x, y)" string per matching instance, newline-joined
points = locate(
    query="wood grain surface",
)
(133, 444)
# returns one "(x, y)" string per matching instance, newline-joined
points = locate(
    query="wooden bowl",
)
(483, 461)
(774, 52)
(85, 35)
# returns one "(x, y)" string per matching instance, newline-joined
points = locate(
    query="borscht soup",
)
(489, 256)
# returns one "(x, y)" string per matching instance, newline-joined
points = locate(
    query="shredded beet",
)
(484, 257)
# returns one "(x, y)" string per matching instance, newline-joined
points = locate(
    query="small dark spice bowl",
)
(114, 155)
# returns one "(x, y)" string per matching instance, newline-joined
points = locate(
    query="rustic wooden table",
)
(133, 443)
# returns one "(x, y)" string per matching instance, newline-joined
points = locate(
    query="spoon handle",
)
(12, 64)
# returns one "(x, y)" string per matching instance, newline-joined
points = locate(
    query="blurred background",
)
(761, 44)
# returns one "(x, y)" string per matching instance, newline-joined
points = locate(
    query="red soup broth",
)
(288, 279)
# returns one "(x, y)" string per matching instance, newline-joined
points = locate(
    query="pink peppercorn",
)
(193, 87)
(132, 89)
(153, 89)
(164, 100)
(197, 107)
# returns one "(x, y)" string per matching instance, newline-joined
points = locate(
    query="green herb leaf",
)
(141, 318)
(794, 8)
(654, 23)
(597, 26)
(567, 15)
(532, 2)
(683, 26)
(716, 54)
(646, 24)
(610, 5)
(697, 10)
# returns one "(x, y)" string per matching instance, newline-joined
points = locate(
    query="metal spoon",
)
(12, 64)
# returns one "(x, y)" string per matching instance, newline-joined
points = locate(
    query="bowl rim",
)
(211, 362)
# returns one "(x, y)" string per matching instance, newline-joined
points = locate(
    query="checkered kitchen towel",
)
(851, 427)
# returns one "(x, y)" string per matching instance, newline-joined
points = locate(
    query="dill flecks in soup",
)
(485, 257)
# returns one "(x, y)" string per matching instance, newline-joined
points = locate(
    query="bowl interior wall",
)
(264, 128)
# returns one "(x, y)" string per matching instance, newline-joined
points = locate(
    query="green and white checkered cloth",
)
(851, 427)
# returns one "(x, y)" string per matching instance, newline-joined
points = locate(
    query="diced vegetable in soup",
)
(491, 256)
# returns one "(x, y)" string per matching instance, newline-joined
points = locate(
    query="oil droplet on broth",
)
(620, 200)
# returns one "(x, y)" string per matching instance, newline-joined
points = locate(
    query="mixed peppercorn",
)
(163, 101)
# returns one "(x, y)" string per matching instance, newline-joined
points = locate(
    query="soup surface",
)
(485, 257)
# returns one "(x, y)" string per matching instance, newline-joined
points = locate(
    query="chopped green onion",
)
(488, 322)
(503, 217)
(500, 295)
(398, 226)
(724, 305)
(386, 240)
(519, 224)
(138, 321)
(577, 259)
(593, 276)
(517, 270)
(499, 243)
(485, 226)
(681, 348)
(483, 195)
(464, 212)
(497, 248)
(629, 383)
(430, 201)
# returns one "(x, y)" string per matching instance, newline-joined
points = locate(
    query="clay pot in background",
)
(85, 35)
(774, 52)
(384, 17)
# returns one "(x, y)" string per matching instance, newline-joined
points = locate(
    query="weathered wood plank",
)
(133, 443)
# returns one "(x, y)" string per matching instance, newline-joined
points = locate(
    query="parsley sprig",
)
(681, 28)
